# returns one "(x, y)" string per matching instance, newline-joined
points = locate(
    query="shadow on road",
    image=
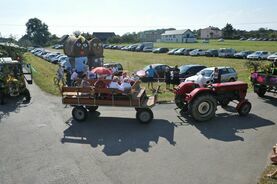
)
(270, 100)
(11, 105)
(226, 126)
(118, 135)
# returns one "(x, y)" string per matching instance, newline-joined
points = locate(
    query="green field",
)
(235, 44)
(43, 73)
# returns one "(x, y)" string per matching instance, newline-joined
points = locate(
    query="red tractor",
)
(201, 102)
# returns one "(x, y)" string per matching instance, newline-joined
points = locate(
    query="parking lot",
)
(40, 143)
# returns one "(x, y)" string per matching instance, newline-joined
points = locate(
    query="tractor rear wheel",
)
(244, 108)
(79, 113)
(144, 116)
(203, 107)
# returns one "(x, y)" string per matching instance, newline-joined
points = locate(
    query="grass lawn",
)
(266, 180)
(235, 44)
(43, 73)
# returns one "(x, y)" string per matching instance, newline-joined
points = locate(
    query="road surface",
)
(40, 143)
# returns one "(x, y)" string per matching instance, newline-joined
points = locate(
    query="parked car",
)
(180, 51)
(55, 60)
(160, 50)
(243, 54)
(226, 52)
(147, 49)
(172, 51)
(190, 70)
(197, 52)
(132, 47)
(139, 48)
(272, 57)
(220, 40)
(258, 55)
(211, 53)
(187, 51)
(148, 45)
(160, 69)
(65, 64)
(117, 65)
(227, 74)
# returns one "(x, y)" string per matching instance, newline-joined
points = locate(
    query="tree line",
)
(37, 34)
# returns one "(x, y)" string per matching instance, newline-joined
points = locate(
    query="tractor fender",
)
(196, 92)
(185, 87)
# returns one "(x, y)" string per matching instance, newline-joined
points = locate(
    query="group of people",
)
(172, 77)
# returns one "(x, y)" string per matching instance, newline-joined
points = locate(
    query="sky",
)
(122, 16)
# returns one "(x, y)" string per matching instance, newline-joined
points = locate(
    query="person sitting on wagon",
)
(74, 77)
(84, 82)
(91, 74)
(125, 85)
(114, 84)
(123, 76)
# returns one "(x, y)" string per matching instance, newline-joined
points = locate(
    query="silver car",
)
(228, 74)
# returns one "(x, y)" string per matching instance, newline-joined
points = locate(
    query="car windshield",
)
(208, 72)
(258, 52)
(184, 68)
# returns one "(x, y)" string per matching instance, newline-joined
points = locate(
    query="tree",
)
(37, 32)
(77, 33)
(228, 31)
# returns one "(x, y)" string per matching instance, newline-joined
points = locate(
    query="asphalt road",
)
(40, 143)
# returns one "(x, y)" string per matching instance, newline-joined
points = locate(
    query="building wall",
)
(150, 36)
(187, 37)
(210, 34)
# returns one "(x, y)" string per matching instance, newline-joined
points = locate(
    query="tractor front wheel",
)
(244, 108)
(79, 113)
(203, 107)
(179, 101)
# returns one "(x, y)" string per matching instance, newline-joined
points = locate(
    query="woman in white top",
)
(125, 86)
(114, 84)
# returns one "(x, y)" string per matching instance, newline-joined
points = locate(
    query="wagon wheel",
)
(79, 113)
(203, 107)
(92, 108)
(244, 108)
(144, 116)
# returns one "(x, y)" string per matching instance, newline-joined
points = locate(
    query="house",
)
(210, 33)
(103, 36)
(178, 36)
(152, 35)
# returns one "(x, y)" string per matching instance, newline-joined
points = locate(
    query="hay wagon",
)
(88, 99)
